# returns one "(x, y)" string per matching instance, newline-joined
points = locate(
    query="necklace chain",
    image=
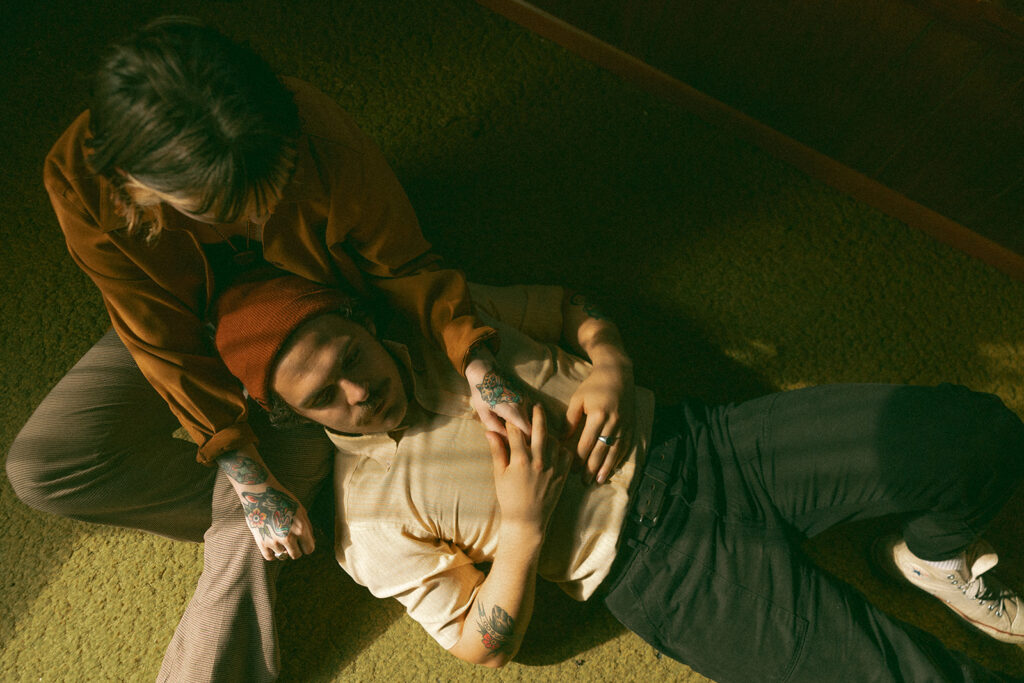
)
(242, 258)
(248, 236)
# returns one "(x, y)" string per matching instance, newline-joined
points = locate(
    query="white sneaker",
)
(983, 601)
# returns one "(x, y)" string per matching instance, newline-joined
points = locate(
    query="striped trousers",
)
(100, 448)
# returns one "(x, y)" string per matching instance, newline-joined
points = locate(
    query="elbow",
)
(497, 661)
(489, 659)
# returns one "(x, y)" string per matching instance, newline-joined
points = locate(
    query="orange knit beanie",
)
(255, 318)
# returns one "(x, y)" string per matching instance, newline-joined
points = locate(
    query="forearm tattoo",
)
(494, 390)
(271, 512)
(588, 308)
(243, 469)
(496, 630)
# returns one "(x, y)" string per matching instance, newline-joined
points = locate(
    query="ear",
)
(358, 314)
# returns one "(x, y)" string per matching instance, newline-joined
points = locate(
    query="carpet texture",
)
(731, 275)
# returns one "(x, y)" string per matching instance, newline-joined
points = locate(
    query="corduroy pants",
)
(721, 583)
(99, 448)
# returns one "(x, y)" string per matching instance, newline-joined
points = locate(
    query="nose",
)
(355, 392)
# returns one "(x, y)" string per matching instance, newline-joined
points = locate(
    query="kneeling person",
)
(688, 519)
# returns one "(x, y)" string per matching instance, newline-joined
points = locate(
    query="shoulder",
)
(80, 197)
(65, 167)
(323, 119)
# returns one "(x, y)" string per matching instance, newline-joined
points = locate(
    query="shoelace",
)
(976, 589)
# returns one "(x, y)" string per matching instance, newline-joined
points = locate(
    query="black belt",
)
(647, 502)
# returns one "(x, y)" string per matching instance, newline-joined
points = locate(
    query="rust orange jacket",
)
(344, 220)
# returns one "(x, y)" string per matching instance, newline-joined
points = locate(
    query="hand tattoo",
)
(496, 631)
(588, 308)
(242, 469)
(271, 512)
(495, 391)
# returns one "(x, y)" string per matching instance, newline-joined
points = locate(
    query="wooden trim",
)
(987, 23)
(808, 160)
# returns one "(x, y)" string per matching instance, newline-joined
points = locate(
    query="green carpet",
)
(731, 275)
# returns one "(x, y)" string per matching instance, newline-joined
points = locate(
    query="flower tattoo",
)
(494, 390)
(496, 630)
(271, 512)
(242, 469)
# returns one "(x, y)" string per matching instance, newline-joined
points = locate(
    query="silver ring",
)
(607, 440)
(280, 555)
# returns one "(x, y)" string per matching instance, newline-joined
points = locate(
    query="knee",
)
(26, 476)
(990, 433)
(39, 478)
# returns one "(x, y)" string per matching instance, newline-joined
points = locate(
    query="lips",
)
(374, 405)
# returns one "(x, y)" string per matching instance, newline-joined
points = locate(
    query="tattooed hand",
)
(270, 513)
(275, 517)
(496, 398)
(495, 390)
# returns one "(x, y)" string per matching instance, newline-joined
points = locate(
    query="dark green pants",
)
(721, 583)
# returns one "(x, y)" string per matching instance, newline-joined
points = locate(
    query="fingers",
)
(499, 451)
(592, 428)
(591, 449)
(598, 457)
(536, 451)
(491, 422)
(265, 550)
(516, 414)
(572, 417)
(299, 541)
(518, 448)
(614, 456)
(307, 542)
(540, 433)
(548, 453)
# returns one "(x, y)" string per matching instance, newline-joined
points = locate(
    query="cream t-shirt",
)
(416, 507)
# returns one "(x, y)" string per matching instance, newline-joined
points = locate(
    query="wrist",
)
(524, 537)
(609, 355)
(477, 367)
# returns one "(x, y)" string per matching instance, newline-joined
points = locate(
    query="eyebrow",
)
(331, 378)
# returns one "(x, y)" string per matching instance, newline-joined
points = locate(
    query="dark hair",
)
(281, 415)
(186, 111)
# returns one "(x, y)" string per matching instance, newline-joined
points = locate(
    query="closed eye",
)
(351, 359)
(323, 398)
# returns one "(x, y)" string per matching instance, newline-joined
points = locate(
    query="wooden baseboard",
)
(808, 160)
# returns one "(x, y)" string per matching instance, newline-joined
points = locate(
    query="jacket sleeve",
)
(163, 333)
(372, 222)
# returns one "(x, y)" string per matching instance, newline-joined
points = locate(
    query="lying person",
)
(693, 538)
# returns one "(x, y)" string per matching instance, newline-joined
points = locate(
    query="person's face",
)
(333, 371)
